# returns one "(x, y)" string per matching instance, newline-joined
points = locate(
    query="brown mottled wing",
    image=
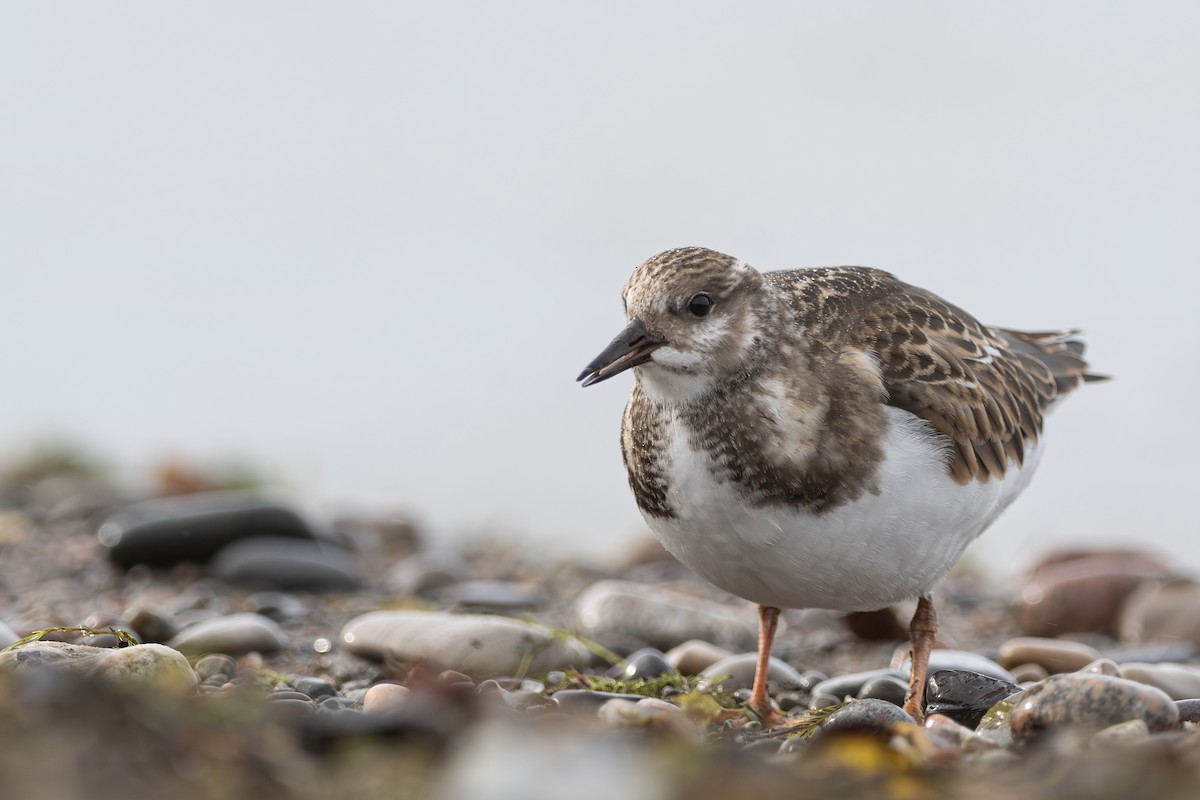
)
(986, 389)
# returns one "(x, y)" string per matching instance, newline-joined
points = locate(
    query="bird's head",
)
(696, 319)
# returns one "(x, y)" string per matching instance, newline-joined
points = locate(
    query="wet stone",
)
(996, 725)
(850, 684)
(739, 673)
(965, 697)
(316, 688)
(863, 716)
(1055, 655)
(660, 617)
(195, 527)
(647, 663)
(885, 687)
(288, 563)
(1089, 702)
(235, 634)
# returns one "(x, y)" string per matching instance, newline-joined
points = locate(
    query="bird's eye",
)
(700, 305)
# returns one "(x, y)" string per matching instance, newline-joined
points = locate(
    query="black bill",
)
(632, 346)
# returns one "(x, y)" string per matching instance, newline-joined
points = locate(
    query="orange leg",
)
(922, 630)
(760, 702)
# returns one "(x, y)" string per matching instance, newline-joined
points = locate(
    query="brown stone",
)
(1162, 611)
(1055, 655)
(1074, 592)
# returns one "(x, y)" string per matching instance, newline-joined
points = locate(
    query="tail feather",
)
(1061, 351)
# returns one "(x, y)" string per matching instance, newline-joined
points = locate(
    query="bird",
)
(827, 437)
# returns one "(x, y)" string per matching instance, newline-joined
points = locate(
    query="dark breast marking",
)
(643, 448)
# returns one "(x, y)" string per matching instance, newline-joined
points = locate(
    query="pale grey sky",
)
(372, 244)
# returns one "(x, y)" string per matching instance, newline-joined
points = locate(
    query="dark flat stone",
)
(286, 563)
(194, 528)
(965, 696)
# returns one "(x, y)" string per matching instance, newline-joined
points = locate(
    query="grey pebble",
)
(215, 664)
(870, 716)
(235, 634)
(740, 671)
(585, 702)
(850, 684)
(316, 688)
(645, 663)
(289, 708)
(288, 563)
(885, 687)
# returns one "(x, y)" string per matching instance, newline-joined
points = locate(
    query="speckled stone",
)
(1189, 710)
(1056, 655)
(739, 670)
(149, 665)
(695, 655)
(1179, 681)
(1091, 702)
(660, 617)
(234, 634)
(479, 645)
(866, 716)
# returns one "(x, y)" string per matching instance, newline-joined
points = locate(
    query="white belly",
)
(866, 554)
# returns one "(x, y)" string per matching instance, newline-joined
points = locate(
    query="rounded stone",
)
(384, 697)
(153, 623)
(480, 645)
(1029, 673)
(695, 655)
(234, 634)
(660, 617)
(1103, 666)
(1090, 702)
(288, 563)
(1179, 681)
(850, 684)
(583, 702)
(194, 527)
(1162, 610)
(316, 688)
(885, 687)
(492, 596)
(645, 663)
(1055, 655)
(148, 665)
(1082, 592)
(961, 661)
(1189, 710)
(738, 673)
(873, 716)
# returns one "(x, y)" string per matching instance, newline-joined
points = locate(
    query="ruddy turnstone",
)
(824, 438)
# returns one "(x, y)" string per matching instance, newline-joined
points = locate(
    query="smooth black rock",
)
(195, 527)
(315, 688)
(965, 696)
(872, 716)
(284, 563)
(885, 687)
(850, 684)
(645, 663)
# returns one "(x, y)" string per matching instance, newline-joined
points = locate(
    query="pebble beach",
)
(195, 642)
